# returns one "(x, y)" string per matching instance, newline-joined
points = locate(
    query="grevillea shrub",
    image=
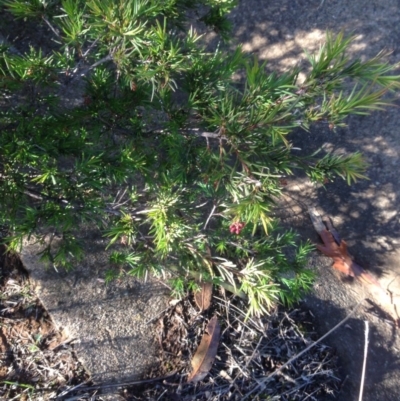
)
(121, 118)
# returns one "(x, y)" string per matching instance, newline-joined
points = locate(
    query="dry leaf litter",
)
(248, 350)
(37, 361)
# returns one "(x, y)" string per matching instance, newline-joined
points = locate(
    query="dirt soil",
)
(365, 214)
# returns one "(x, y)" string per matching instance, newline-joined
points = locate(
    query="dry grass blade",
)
(206, 352)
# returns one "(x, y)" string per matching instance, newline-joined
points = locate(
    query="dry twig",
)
(365, 361)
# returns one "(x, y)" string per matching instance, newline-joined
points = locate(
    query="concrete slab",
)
(107, 321)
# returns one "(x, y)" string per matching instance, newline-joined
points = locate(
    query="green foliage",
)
(161, 149)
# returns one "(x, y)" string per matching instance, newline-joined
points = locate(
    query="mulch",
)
(249, 350)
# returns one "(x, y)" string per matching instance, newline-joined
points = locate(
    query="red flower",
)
(236, 227)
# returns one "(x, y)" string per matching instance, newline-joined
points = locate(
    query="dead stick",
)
(269, 377)
(365, 361)
(103, 386)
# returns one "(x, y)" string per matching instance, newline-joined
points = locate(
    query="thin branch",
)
(209, 217)
(193, 131)
(51, 26)
(196, 131)
(32, 195)
(269, 377)
(366, 332)
(117, 201)
(84, 71)
(90, 48)
(235, 244)
(132, 383)
(101, 61)
(254, 352)
(94, 65)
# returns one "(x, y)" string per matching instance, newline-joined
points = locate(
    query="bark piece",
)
(206, 352)
(203, 296)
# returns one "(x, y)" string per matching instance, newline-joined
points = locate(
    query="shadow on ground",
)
(349, 367)
(365, 214)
